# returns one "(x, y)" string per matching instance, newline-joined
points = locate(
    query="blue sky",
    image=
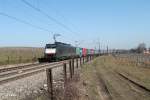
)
(117, 23)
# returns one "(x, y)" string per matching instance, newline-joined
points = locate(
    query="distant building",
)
(146, 52)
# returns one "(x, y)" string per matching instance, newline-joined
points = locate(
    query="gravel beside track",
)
(28, 87)
(23, 88)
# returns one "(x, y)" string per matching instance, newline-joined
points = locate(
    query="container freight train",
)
(61, 51)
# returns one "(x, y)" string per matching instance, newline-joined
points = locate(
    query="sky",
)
(120, 24)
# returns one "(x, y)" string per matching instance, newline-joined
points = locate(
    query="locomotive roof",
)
(62, 43)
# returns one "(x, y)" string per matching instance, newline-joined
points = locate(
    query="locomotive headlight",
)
(50, 51)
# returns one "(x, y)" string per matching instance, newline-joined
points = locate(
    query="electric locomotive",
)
(59, 51)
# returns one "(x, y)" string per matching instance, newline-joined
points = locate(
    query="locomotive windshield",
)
(50, 46)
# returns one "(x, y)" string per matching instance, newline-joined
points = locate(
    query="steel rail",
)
(28, 73)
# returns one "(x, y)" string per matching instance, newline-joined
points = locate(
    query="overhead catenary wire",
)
(23, 21)
(48, 16)
(63, 17)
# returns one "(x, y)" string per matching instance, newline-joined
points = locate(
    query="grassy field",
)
(138, 72)
(105, 68)
(13, 55)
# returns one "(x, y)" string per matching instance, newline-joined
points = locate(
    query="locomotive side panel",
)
(65, 51)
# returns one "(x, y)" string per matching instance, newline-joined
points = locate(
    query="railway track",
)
(124, 83)
(11, 74)
(103, 89)
(140, 87)
(16, 67)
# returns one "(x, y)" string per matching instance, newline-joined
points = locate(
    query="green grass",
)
(14, 55)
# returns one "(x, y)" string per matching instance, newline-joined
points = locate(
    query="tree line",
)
(140, 48)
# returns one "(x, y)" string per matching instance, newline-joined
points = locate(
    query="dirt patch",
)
(103, 89)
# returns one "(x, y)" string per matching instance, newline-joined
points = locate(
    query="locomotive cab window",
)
(50, 46)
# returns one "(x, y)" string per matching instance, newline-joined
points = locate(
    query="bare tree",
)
(141, 47)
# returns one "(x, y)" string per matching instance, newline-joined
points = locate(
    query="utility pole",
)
(99, 48)
(107, 49)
